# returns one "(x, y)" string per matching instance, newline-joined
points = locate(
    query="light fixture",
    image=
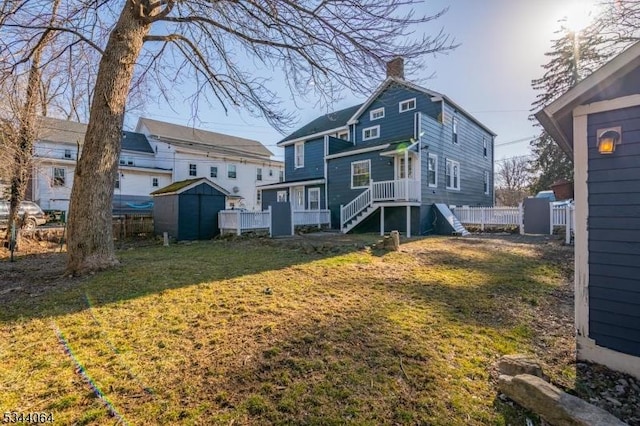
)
(608, 139)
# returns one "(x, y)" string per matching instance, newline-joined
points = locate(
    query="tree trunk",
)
(90, 241)
(27, 132)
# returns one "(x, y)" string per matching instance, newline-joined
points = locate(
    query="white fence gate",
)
(563, 215)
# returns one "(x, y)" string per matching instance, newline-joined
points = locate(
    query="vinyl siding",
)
(395, 125)
(339, 179)
(614, 231)
(468, 152)
(270, 196)
(313, 161)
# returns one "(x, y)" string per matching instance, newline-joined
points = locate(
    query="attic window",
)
(370, 133)
(408, 105)
(376, 114)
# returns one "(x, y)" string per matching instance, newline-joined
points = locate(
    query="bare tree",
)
(513, 180)
(320, 47)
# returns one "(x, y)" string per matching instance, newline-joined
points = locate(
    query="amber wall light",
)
(608, 139)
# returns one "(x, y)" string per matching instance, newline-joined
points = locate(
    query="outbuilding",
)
(188, 210)
(597, 123)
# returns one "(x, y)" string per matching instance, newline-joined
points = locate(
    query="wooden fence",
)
(132, 225)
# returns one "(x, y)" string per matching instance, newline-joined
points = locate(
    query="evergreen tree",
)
(573, 56)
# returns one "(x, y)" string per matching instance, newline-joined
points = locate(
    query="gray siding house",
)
(383, 164)
(597, 122)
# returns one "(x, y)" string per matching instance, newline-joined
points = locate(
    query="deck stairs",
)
(353, 222)
(455, 226)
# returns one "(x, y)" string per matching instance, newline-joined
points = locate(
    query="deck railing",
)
(396, 190)
(240, 221)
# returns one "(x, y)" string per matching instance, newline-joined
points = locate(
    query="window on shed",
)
(360, 174)
(213, 171)
(193, 170)
(454, 126)
(408, 105)
(452, 177)
(59, 176)
(432, 172)
(299, 154)
(259, 173)
(231, 171)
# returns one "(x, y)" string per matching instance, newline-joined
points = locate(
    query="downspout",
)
(326, 174)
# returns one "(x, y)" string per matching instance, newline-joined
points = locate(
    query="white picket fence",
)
(513, 216)
(239, 221)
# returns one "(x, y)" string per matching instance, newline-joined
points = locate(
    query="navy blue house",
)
(382, 165)
(597, 123)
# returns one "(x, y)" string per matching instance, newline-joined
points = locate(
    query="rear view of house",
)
(383, 164)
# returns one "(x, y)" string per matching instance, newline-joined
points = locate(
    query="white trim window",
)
(432, 171)
(298, 154)
(360, 174)
(400, 166)
(314, 199)
(407, 105)
(485, 146)
(59, 176)
(298, 198)
(452, 175)
(280, 175)
(281, 196)
(454, 130)
(193, 170)
(486, 182)
(213, 172)
(259, 173)
(371, 133)
(154, 182)
(376, 114)
(343, 134)
(232, 171)
(67, 153)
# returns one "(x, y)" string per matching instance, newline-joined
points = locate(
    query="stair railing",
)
(354, 207)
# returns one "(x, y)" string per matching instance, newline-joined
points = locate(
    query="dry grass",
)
(188, 335)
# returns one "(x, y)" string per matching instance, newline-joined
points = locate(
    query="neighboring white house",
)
(236, 164)
(156, 156)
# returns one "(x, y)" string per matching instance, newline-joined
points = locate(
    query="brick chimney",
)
(395, 68)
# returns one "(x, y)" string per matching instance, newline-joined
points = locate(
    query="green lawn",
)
(187, 334)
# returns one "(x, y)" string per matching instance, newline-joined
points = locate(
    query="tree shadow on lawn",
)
(34, 287)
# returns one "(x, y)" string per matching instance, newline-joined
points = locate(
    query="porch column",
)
(408, 221)
(382, 221)
(406, 174)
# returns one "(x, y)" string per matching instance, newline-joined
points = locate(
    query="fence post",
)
(270, 222)
(521, 218)
(482, 218)
(238, 224)
(551, 217)
(567, 221)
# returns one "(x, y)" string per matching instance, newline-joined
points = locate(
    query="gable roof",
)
(57, 130)
(438, 96)
(323, 123)
(203, 140)
(185, 185)
(557, 117)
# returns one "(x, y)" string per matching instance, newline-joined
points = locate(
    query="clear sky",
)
(489, 75)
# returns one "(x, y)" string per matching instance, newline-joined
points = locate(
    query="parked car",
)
(34, 214)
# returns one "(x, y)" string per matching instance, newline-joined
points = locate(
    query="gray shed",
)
(188, 210)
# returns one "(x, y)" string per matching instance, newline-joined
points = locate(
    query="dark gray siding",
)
(339, 179)
(395, 125)
(269, 196)
(313, 161)
(614, 234)
(198, 213)
(469, 152)
(395, 219)
(165, 215)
